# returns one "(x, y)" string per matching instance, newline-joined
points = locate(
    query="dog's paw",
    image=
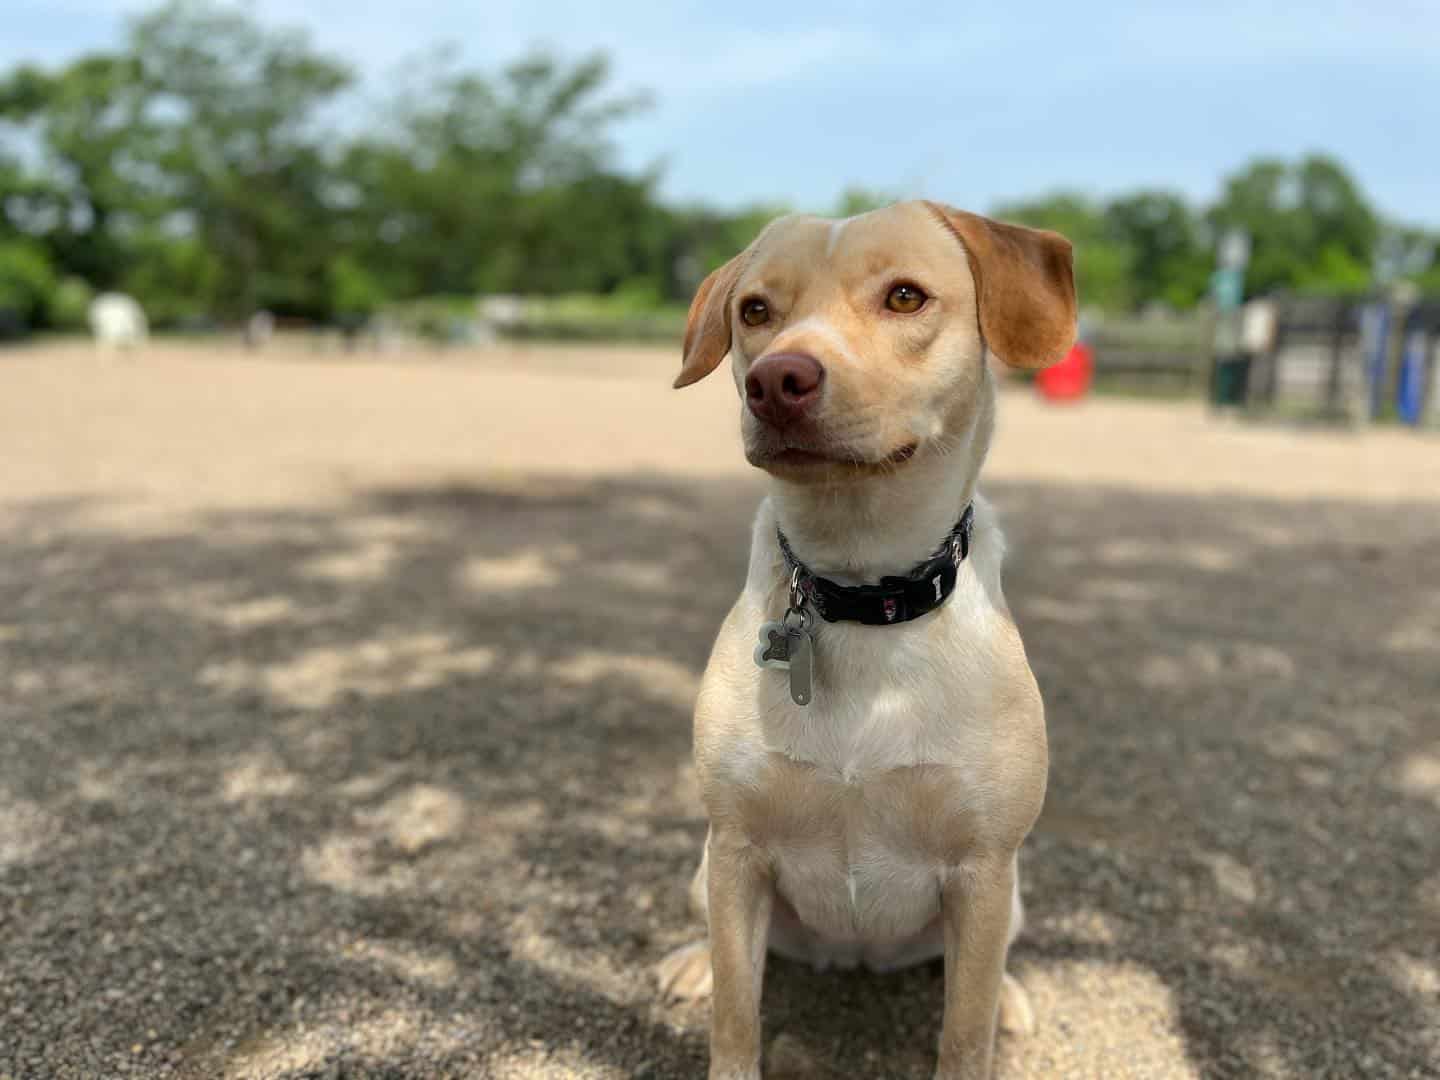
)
(685, 973)
(1016, 1015)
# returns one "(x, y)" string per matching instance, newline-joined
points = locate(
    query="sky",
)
(975, 104)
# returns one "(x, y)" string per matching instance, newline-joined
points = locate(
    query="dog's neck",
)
(861, 529)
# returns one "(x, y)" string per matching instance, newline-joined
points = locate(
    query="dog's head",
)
(859, 344)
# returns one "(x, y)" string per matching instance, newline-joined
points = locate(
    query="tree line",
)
(212, 165)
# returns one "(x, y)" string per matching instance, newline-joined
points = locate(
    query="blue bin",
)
(1414, 374)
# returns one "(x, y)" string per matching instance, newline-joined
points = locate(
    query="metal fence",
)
(1353, 361)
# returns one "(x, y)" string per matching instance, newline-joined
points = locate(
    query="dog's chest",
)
(862, 859)
(866, 799)
(900, 697)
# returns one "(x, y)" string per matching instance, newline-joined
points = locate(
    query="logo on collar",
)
(891, 609)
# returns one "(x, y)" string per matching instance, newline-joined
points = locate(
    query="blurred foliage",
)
(354, 291)
(69, 304)
(213, 165)
(1311, 230)
(600, 318)
(859, 200)
(26, 278)
(1167, 249)
(1310, 226)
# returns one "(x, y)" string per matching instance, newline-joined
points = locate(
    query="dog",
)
(869, 739)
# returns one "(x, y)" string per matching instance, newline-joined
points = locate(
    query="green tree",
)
(87, 119)
(503, 184)
(175, 275)
(68, 305)
(234, 140)
(193, 166)
(1167, 260)
(354, 292)
(1423, 264)
(26, 279)
(1310, 226)
(860, 200)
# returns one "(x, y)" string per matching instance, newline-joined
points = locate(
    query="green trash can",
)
(1230, 383)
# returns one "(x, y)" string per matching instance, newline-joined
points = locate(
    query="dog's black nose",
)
(781, 389)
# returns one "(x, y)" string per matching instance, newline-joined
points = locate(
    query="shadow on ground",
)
(401, 789)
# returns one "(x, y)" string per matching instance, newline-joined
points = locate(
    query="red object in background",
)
(1071, 377)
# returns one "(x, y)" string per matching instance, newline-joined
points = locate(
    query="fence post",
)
(1432, 394)
(1334, 383)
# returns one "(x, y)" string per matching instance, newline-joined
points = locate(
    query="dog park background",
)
(347, 656)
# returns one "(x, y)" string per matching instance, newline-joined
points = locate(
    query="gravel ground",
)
(344, 712)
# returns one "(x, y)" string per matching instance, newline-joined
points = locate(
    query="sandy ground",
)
(344, 712)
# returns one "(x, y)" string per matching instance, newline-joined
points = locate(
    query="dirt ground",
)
(344, 727)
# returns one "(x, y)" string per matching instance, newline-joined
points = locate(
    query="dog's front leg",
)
(975, 907)
(740, 892)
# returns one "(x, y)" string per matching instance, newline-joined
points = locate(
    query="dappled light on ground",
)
(395, 811)
(396, 782)
(317, 677)
(1114, 1020)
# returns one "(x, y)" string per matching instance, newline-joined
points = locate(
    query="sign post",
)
(1230, 371)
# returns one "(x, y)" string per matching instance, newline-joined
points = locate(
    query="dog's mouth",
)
(801, 457)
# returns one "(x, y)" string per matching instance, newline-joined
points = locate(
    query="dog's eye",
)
(755, 312)
(906, 299)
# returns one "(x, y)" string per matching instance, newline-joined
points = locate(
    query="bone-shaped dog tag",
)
(774, 648)
(786, 645)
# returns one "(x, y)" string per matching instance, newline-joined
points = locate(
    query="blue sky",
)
(975, 104)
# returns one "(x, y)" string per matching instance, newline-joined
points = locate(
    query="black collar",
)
(895, 599)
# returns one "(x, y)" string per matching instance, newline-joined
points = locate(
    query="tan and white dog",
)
(880, 823)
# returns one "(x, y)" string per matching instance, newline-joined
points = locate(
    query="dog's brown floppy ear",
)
(707, 330)
(1024, 286)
